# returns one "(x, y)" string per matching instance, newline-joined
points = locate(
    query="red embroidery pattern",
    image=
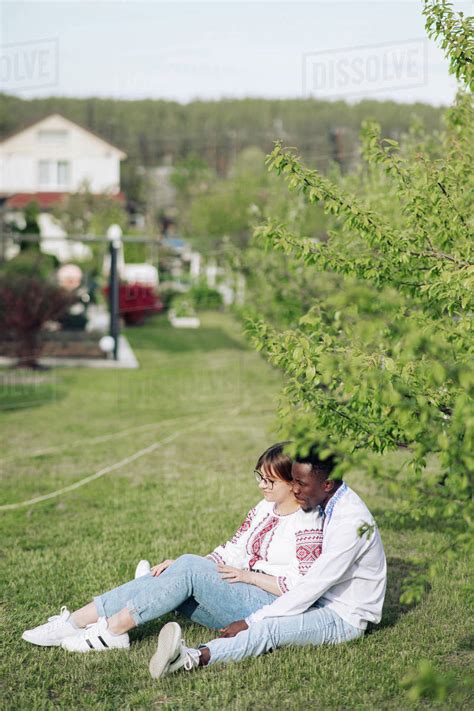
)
(216, 558)
(244, 527)
(308, 548)
(260, 541)
(281, 580)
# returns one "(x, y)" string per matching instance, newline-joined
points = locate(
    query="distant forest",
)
(153, 131)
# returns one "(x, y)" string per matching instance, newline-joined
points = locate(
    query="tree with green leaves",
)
(214, 132)
(384, 363)
(216, 214)
(84, 213)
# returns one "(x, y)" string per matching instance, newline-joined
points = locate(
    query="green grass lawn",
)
(210, 402)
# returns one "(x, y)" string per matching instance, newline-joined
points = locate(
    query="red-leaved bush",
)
(26, 304)
(136, 301)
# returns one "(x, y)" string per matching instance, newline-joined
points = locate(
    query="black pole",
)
(114, 297)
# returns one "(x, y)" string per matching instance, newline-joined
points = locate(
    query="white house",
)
(55, 155)
(44, 162)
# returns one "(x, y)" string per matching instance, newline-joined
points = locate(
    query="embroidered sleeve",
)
(216, 557)
(309, 544)
(282, 584)
(234, 551)
(308, 548)
(244, 527)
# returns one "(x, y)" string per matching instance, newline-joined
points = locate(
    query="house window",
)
(45, 173)
(51, 136)
(63, 173)
(53, 174)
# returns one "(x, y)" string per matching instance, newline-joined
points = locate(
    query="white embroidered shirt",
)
(281, 545)
(349, 575)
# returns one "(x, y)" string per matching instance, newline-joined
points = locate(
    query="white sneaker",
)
(143, 568)
(52, 632)
(96, 638)
(171, 653)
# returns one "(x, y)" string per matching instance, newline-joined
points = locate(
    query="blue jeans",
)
(191, 585)
(318, 625)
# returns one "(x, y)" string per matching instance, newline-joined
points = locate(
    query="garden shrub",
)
(26, 304)
(183, 306)
(205, 298)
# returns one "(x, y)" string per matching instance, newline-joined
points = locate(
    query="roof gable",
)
(57, 121)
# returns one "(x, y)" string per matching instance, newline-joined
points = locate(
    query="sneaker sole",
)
(25, 637)
(169, 640)
(87, 649)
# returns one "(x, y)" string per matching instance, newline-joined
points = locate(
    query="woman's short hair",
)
(276, 462)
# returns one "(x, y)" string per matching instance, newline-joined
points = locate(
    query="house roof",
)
(74, 123)
(45, 200)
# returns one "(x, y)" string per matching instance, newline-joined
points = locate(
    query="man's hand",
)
(158, 569)
(233, 629)
(234, 575)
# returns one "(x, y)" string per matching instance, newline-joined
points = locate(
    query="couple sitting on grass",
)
(307, 566)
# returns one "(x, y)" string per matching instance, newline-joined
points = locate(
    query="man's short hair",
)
(318, 465)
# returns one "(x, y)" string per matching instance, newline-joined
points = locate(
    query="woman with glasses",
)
(277, 542)
(270, 552)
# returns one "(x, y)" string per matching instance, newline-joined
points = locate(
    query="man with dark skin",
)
(341, 589)
(311, 490)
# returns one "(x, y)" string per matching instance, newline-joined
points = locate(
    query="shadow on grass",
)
(152, 629)
(466, 644)
(160, 335)
(397, 571)
(23, 389)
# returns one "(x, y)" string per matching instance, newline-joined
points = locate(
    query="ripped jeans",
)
(191, 585)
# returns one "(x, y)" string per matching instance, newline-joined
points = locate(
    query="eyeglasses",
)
(260, 479)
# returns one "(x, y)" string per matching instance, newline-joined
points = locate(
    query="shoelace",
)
(56, 618)
(189, 662)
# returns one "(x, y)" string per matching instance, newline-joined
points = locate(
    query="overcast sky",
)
(209, 50)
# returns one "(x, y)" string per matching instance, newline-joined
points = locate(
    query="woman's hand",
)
(158, 569)
(234, 575)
